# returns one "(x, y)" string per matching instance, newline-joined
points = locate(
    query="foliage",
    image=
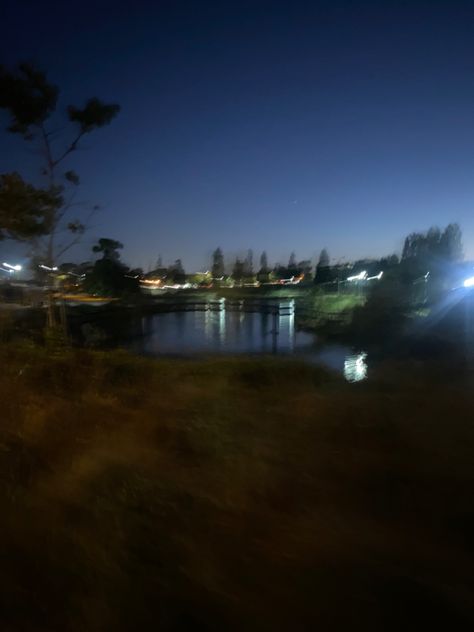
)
(176, 272)
(383, 317)
(434, 245)
(109, 248)
(264, 263)
(238, 271)
(25, 210)
(93, 115)
(433, 254)
(28, 97)
(323, 259)
(304, 267)
(30, 100)
(248, 264)
(386, 263)
(217, 269)
(323, 273)
(108, 276)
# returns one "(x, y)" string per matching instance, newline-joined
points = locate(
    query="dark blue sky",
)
(262, 124)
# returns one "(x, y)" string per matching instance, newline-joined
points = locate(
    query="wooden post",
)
(275, 332)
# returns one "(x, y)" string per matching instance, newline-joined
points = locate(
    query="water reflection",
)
(221, 330)
(355, 367)
(226, 331)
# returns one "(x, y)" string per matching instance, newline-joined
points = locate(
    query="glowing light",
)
(377, 276)
(355, 367)
(362, 276)
(179, 286)
(151, 281)
(16, 268)
(291, 281)
(469, 282)
(43, 267)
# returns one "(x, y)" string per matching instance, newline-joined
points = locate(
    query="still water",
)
(210, 332)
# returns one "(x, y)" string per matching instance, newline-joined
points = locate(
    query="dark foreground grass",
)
(231, 495)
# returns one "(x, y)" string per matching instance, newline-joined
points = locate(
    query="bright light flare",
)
(43, 267)
(355, 367)
(358, 277)
(469, 282)
(15, 268)
(377, 276)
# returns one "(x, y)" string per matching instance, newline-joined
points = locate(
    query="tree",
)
(109, 248)
(238, 270)
(159, 262)
(304, 267)
(176, 272)
(323, 259)
(433, 249)
(292, 261)
(323, 270)
(217, 264)
(389, 262)
(24, 208)
(109, 276)
(263, 262)
(31, 101)
(428, 261)
(423, 246)
(248, 263)
(178, 267)
(451, 243)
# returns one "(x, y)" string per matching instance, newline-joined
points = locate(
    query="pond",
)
(190, 333)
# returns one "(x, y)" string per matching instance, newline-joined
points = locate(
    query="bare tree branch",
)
(49, 155)
(72, 147)
(78, 237)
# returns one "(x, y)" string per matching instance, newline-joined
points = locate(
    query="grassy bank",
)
(327, 313)
(231, 494)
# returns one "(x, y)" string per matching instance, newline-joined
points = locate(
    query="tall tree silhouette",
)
(238, 270)
(323, 269)
(217, 264)
(248, 263)
(323, 259)
(31, 102)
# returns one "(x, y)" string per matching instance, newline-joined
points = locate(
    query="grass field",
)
(232, 494)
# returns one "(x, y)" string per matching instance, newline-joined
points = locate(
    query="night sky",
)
(262, 124)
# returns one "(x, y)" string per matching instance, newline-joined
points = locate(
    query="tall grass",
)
(231, 494)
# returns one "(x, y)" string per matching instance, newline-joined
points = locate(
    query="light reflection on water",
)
(208, 332)
(221, 331)
(355, 367)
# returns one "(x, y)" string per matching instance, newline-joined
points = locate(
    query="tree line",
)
(48, 215)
